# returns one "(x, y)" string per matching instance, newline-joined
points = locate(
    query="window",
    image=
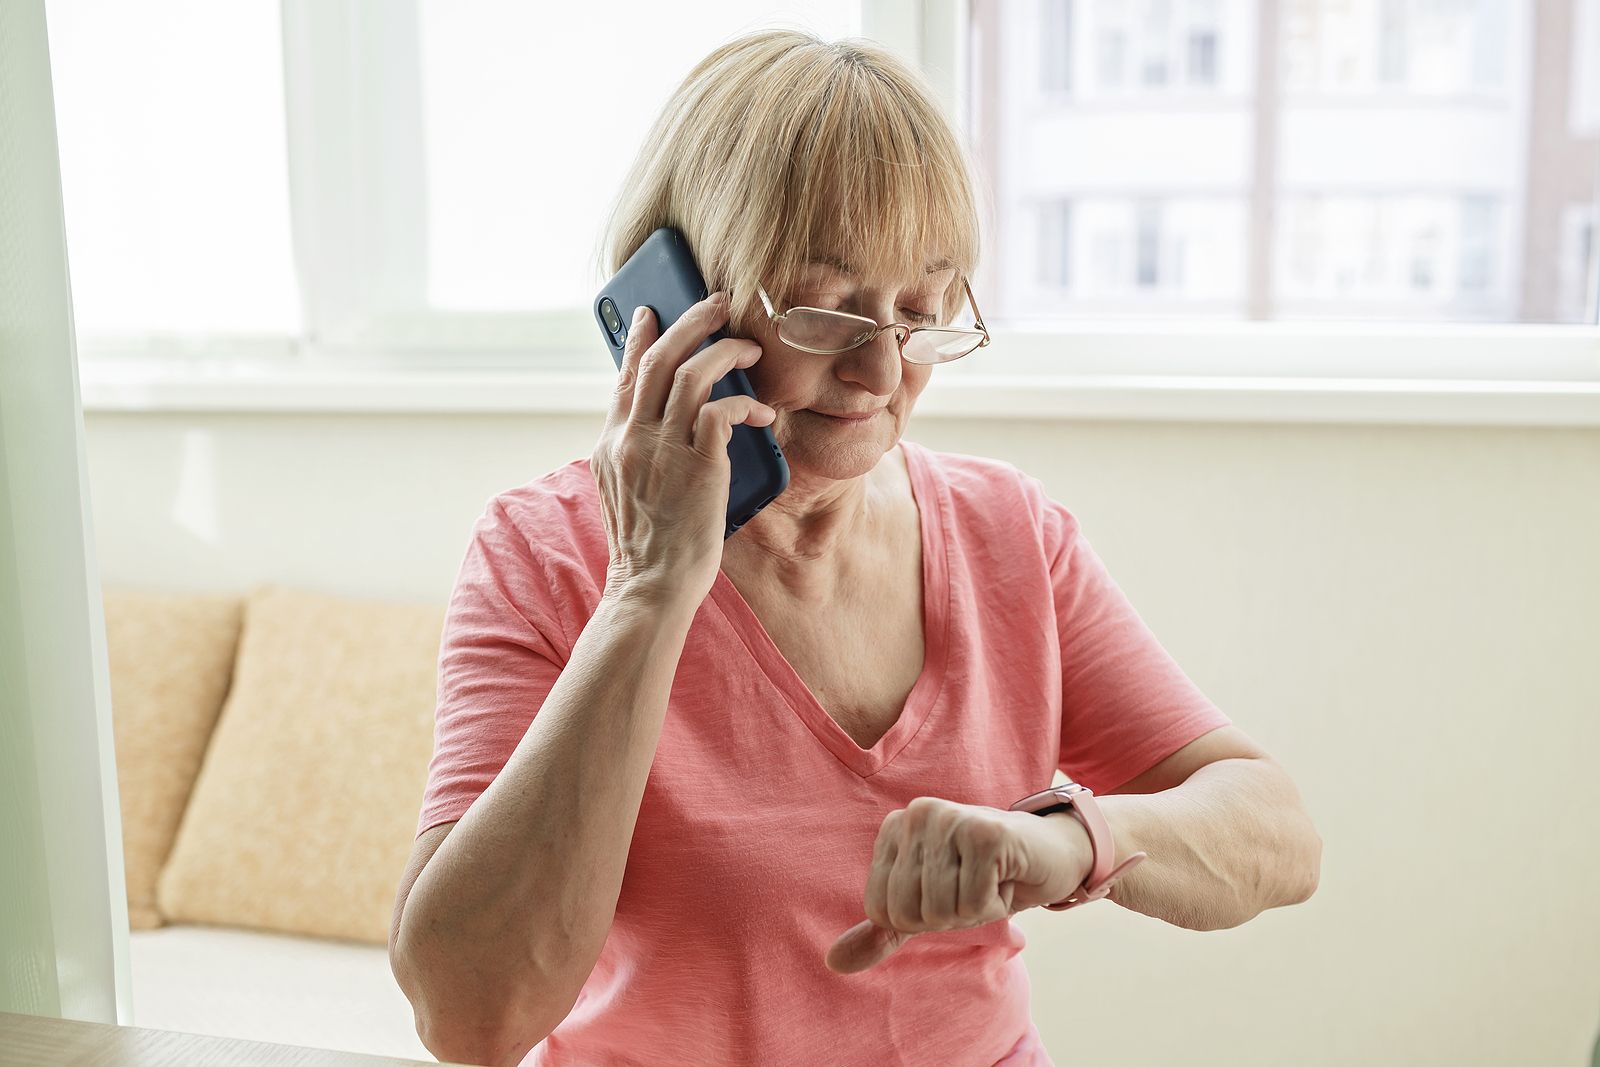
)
(170, 127)
(1055, 244)
(409, 186)
(517, 179)
(366, 181)
(1402, 160)
(1475, 255)
(1579, 257)
(1148, 241)
(1055, 44)
(1584, 105)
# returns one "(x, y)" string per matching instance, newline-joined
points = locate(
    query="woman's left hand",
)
(942, 865)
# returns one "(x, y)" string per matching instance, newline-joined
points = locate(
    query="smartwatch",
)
(1081, 803)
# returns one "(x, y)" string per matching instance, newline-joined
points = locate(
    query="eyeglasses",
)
(828, 333)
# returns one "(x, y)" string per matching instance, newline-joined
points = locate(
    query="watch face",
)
(1059, 796)
(1041, 801)
(1034, 801)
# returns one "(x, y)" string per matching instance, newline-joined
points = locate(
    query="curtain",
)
(63, 904)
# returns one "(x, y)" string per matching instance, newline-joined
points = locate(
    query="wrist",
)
(1120, 812)
(1076, 842)
(1101, 861)
(1072, 828)
(660, 619)
(657, 597)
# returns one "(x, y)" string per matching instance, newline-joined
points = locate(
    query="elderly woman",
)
(751, 801)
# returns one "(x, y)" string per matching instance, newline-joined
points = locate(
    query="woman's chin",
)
(820, 455)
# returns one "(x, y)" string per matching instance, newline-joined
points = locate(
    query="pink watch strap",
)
(1081, 803)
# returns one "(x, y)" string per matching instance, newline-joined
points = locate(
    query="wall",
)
(1405, 616)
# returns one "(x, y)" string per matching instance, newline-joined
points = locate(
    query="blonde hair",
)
(780, 147)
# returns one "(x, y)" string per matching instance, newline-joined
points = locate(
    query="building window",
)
(1055, 57)
(1055, 244)
(1476, 260)
(1148, 237)
(1407, 168)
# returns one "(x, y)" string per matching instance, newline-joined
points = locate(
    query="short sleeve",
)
(1125, 703)
(500, 653)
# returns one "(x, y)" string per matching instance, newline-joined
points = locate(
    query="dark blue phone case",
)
(663, 276)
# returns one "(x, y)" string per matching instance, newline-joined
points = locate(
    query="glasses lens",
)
(941, 346)
(822, 330)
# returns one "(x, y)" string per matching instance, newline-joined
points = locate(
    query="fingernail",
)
(638, 314)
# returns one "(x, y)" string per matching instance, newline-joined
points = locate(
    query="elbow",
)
(1306, 865)
(1290, 877)
(485, 1045)
(1311, 868)
(464, 1014)
(483, 1031)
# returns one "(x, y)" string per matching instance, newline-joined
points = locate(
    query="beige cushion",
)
(170, 659)
(306, 807)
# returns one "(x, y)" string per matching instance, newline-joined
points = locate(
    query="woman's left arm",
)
(1230, 841)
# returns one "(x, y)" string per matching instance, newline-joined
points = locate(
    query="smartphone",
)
(663, 276)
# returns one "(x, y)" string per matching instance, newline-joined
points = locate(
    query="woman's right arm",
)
(505, 921)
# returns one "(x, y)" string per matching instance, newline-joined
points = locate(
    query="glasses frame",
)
(902, 330)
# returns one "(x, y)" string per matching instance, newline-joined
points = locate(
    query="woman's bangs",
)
(895, 207)
(856, 168)
(886, 223)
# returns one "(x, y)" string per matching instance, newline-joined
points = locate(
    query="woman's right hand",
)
(661, 463)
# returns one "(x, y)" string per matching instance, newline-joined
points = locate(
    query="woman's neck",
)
(812, 528)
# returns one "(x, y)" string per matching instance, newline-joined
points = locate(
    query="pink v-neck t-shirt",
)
(756, 828)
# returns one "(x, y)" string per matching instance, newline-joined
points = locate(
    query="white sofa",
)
(287, 988)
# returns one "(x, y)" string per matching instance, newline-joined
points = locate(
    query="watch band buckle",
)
(1085, 895)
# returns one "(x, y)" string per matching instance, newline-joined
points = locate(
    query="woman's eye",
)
(920, 317)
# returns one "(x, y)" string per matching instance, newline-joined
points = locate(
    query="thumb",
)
(864, 945)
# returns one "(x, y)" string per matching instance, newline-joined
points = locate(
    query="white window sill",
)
(125, 386)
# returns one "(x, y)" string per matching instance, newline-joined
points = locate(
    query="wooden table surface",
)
(36, 1041)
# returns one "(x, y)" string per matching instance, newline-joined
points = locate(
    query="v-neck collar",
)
(933, 509)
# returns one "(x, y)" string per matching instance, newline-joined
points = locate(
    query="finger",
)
(641, 334)
(876, 901)
(697, 375)
(660, 361)
(979, 889)
(941, 872)
(713, 427)
(905, 888)
(864, 945)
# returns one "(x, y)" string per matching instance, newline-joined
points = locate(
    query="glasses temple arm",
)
(766, 302)
(977, 315)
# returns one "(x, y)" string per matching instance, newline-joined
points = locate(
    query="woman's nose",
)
(875, 365)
